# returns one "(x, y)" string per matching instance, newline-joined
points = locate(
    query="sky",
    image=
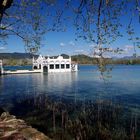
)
(56, 43)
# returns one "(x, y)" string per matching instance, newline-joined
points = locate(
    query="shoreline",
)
(14, 129)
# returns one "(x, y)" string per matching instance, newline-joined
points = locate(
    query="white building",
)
(58, 64)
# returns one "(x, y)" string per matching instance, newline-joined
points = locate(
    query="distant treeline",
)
(19, 62)
(84, 59)
(16, 58)
(26, 59)
(127, 61)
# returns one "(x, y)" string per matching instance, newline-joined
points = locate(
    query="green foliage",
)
(12, 62)
(127, 61)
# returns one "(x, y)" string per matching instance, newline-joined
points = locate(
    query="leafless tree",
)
(29, 20)
(96, 21)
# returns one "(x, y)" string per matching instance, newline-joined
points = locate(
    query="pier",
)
(21, 71)
(3, 72)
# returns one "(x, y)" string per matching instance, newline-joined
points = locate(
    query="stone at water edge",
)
(16, 129)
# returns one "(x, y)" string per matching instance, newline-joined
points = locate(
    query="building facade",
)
(58, 64)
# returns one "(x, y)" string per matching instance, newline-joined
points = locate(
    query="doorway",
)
(45, 69)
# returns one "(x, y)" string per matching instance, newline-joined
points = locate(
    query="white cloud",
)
(81, 52)
(62, 44)
(128, 48)
(2, 48)
(92, 45)
(71, 43)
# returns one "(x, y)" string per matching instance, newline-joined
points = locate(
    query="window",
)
(45, 69)
(57, 66)
(62, 66)
(51, 66)
(35, 67)
(39, 66)
(67, 66)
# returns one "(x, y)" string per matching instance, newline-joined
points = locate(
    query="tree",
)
(96, 21)
(4, 4)
(101, 22)
(29, 20)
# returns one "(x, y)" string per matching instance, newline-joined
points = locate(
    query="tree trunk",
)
(4, 4)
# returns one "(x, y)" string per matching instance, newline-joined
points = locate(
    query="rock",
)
(16, 129)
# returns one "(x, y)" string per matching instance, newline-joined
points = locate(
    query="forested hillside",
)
(26, 59)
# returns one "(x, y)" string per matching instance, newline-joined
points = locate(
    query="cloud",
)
(78, 51)
(81, 52)
(2, 48)
(128, 48)
(71, 43)
(62, 44)
(92, 45)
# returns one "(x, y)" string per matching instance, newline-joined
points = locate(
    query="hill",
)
(15, 55)
(26, 59)
(83, 59)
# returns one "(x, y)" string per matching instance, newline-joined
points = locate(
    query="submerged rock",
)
(12, 128)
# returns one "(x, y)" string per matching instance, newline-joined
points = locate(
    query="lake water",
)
(121, 86)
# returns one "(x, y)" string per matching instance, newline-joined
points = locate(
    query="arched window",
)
(45, 69)
(35, 67)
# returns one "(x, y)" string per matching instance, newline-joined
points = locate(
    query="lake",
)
(25, 95)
